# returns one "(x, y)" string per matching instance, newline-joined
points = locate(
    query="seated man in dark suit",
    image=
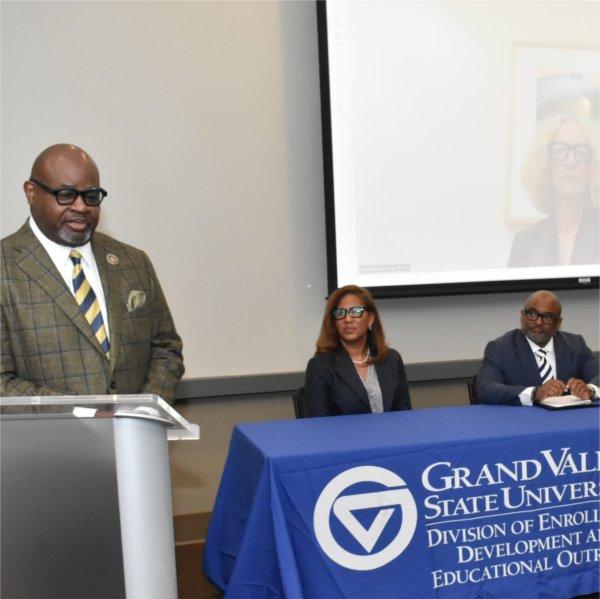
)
(538, 361)
(82, 313)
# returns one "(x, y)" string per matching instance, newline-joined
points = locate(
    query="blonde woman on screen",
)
(561, 175)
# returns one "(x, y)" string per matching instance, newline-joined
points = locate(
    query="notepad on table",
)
(564, 401)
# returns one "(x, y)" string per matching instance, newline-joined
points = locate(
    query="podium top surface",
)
(144, 407)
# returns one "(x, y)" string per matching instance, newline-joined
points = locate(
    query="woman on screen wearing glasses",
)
(561, 175)
(353, 370)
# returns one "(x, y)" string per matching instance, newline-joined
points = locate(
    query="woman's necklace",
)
(360, 362)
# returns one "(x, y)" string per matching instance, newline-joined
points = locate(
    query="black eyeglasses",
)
(66, 196)
(354, 311)
(547, 317)
(560, 151)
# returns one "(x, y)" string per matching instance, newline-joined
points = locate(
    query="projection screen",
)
(460, 145)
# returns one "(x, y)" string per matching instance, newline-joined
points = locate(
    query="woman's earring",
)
(370, 327)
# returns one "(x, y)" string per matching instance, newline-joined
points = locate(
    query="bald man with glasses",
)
(537, 361)
(82, 313)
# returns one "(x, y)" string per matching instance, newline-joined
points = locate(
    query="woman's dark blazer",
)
(537, 245)
(333, 386)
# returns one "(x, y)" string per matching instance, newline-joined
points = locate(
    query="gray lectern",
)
(86, 496)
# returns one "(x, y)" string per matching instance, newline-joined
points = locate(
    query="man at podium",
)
(82, 313)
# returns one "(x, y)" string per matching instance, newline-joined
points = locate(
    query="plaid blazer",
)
(47, 345)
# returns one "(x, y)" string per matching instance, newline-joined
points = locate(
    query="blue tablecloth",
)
(478, 501)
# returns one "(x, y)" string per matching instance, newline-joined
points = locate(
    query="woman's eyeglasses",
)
(354, 311)
(560, 151)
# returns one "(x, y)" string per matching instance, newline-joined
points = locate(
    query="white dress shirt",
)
(59, 254)
(525, 395)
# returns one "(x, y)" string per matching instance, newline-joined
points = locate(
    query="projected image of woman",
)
(561, 175)
(353, 370)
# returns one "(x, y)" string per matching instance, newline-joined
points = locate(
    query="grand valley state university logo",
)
(395, 496)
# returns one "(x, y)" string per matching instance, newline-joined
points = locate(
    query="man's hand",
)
(578, 388)
(553, 388)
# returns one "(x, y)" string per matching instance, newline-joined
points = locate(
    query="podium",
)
(86, 496)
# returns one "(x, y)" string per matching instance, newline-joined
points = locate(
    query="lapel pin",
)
(112, 259)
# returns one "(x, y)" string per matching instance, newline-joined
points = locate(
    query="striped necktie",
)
(543, 365)
(88, 302)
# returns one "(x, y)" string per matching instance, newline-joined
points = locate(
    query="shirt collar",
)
(548, 348)
(60, 253)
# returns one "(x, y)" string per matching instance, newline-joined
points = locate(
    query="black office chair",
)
(472, 387)
(299, 406)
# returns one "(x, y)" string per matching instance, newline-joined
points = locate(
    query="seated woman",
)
(353, 370)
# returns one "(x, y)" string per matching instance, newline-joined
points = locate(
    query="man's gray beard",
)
(541, 342)
(74, 239)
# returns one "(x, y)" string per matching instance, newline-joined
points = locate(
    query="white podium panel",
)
(86, 496)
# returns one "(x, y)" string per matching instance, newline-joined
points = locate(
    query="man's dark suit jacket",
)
(47, 345)
(333, 386)
(509, 366)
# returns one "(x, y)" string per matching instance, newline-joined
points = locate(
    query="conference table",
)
(478, 501)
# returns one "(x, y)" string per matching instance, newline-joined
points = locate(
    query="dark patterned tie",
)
(543, 365)
(88, 302)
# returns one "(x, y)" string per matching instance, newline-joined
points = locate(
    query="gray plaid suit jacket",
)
(47, 345)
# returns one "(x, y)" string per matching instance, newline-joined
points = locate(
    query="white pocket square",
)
(135, 300)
